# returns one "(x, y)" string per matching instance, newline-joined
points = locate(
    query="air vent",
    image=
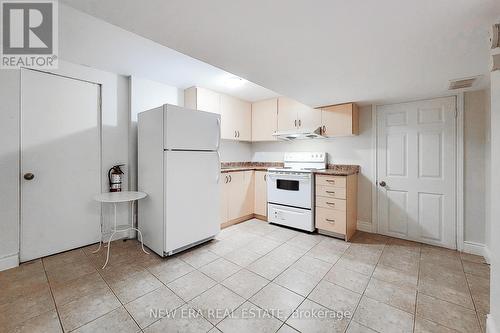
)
(462, 83)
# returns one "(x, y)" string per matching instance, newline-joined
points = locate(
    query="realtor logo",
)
(29, 34)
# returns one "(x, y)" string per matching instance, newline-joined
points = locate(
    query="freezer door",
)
(187, 129)
(192, 188)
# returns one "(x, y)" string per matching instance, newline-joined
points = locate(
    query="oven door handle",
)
(288, 177)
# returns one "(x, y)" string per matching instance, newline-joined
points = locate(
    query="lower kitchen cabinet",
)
(260, 202)
(237, 202)
(336, 205)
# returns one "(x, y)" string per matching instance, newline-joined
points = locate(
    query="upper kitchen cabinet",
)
(293, 115)
(340, 120)
(264, 120)
(202, 99)
(236, 114)
(236, 118)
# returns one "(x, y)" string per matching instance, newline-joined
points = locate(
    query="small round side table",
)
(114, 198)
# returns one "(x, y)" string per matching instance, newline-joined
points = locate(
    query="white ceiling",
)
(86, 40)
(321, 51)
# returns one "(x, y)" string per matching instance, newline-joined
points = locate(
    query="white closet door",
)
(60, 146)
(416, 162)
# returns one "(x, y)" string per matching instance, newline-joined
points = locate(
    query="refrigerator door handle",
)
(220, 133)
(220, 168)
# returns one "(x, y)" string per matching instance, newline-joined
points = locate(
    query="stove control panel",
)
(318, 157)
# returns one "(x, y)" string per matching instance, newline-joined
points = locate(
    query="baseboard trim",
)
(236, 221)
(490, 325)
(9, 261)
(365, 226)
(487, 255)
(260, 217)
(474, 248)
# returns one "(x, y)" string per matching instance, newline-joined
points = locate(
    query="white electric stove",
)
(290, 190)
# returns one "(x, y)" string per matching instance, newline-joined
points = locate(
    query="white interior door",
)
(417, 163)
(60, 146)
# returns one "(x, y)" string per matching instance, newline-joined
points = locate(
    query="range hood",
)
(300, 134)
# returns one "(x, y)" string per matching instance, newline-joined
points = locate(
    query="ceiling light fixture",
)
(234, 82)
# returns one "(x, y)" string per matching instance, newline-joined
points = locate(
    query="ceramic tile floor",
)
(254, 277)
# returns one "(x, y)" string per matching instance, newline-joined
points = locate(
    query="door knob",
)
(29, 176)
(382, 183)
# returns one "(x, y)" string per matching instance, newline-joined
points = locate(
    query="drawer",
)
(331, 203)
(330, 192)
(331, 220)
(337, 181)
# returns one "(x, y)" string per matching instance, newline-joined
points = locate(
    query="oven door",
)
(290, 189)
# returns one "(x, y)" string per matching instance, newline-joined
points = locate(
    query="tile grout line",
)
(363, 294)
(442, 300)
(109, 287)
(284, 321)
(416, 293)
(52, 295)
(269, 281)
(470, 293)
(289, 266)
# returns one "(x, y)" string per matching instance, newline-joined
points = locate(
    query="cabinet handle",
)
(324, 129)
(265, 177)
(330, 192)
(300, 122)
(295, 122)
(331, 181)
(330, 221)
(230, 178)
(238, 134)
(331, 203)
(225, 182)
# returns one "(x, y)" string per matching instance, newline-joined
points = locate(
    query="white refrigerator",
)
(179, 169)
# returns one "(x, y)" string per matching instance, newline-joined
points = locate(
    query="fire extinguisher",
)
(115, 178)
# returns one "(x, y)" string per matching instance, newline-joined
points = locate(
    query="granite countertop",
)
(332, 169)
(235, 169)
(245, 166)
(339, 170)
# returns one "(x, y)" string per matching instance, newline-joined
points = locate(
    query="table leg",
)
(100, 244)
(137, 229)
(100, 241)
(142, 244)
(111, 237)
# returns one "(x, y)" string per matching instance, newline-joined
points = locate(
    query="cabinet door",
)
(260, 205)
(309, 118)
(288, 110)
(243, 119)
(208, 100)
(224, 188)
(236, 118)
(202, 99)
(340, 120)
(249, 189)
(228, 118)
(264, 120)
(240, 194)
